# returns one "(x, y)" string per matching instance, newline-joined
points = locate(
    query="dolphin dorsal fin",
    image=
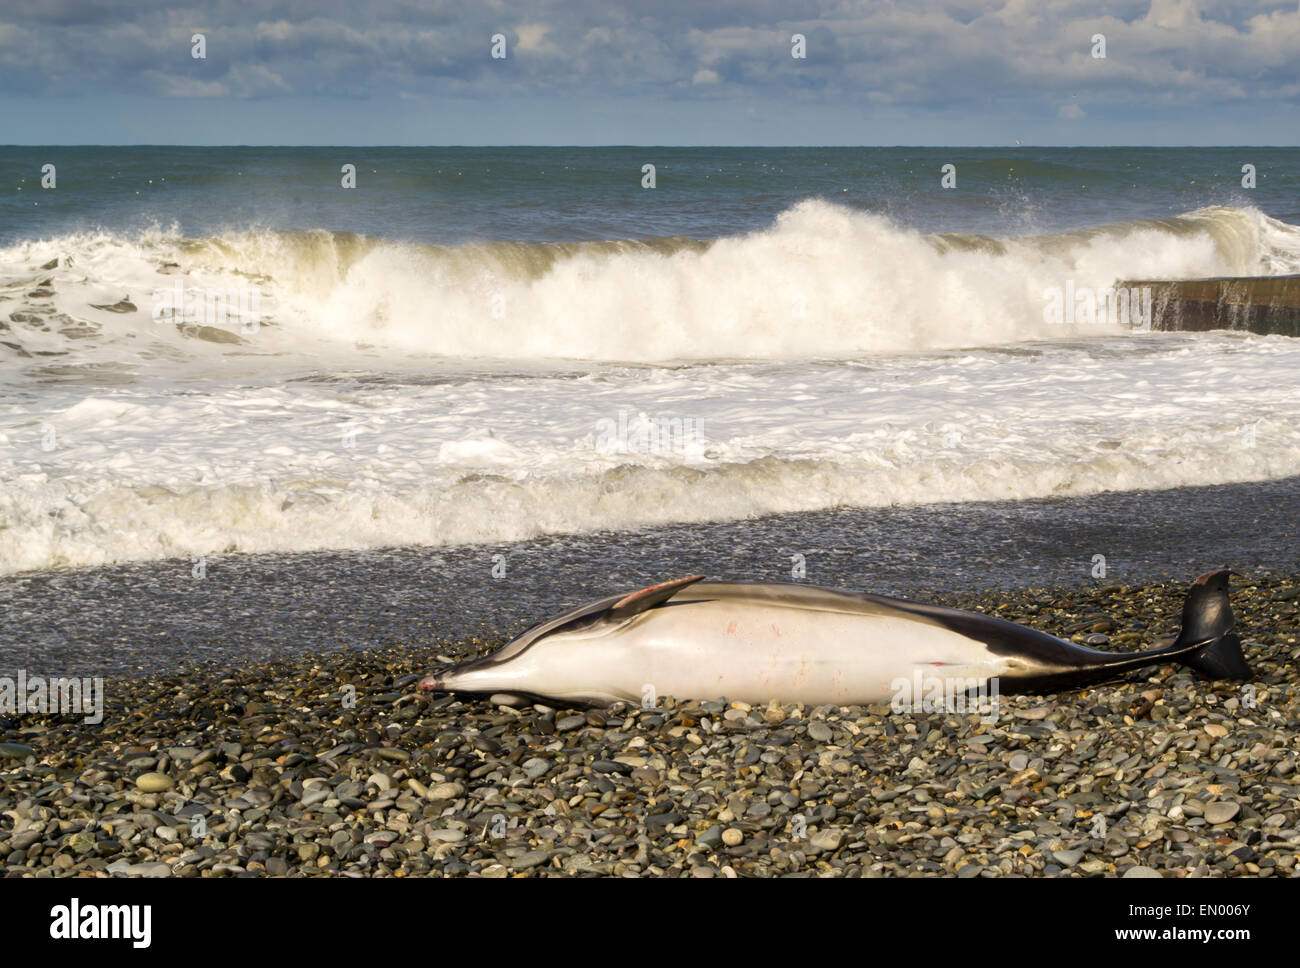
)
(646, 598)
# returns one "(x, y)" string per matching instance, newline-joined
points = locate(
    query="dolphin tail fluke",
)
(1208, 620)
(1221, 659)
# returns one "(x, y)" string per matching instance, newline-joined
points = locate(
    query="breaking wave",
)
(823, 281)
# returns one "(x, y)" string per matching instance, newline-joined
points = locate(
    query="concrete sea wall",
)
(1257, 304)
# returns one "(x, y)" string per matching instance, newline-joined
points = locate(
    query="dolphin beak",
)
(429, 684)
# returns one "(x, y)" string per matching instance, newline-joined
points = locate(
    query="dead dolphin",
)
(803, 644)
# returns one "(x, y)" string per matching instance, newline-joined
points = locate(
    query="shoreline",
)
(134, 619)
(290, 780)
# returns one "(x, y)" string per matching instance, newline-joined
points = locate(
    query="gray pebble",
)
(1221, 811)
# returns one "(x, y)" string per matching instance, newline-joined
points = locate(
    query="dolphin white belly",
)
(755, 653)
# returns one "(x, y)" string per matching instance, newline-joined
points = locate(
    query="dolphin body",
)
(803, 644)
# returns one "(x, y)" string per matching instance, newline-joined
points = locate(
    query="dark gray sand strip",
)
(336, 766)
(134, 619)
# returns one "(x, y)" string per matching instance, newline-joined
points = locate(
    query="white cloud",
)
(532, 36)
(1027, 57)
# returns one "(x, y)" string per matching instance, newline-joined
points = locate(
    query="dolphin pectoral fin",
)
(646, 598)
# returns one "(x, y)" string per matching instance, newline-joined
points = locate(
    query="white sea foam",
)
(148, 471)
(125, 438)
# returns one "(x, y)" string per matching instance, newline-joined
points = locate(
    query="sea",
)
(210, 352)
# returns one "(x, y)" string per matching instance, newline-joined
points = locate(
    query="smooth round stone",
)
(711, 837)
(15, 751)
(826, 839)
(531, 859)
(446, 791)
(566, 723)
(1221, 812)
(447, 836)
(25, 839)
(1018, 762)
(154, 782)
(664, 819)
(732, 837)
(1141, 871)
(535, 767)
(819, 731)
(155, 869)
(1036, 712)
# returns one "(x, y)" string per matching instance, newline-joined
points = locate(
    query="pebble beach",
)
(335, 765)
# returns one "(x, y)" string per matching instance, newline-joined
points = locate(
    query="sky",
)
(671, 72)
